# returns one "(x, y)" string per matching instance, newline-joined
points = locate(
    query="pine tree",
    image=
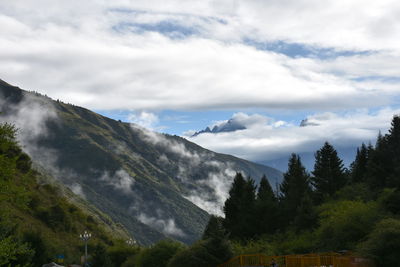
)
(295, 186)
(329, 173)
(393, 139)
(232, 204)
(306, 216)
(214, 228)
(384, 165)
(239, 208)
(358, 168)
(266, 208)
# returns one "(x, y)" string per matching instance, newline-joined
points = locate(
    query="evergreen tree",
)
(379, 166)
(306, 216)
(358, 169)
(214, 228)
(393, 139)
(384, 166)
(232, 204)
(266, 208)
(329, 174)
(295, 186)
(239, 208)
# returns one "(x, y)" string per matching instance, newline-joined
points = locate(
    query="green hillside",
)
(37, 220)
(146, 181)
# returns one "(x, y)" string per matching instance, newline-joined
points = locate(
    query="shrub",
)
(383, 243)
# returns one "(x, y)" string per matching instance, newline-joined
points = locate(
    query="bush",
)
(343, 224)
(205, 253)
(383, 244)
(120, 253)
(159, 254)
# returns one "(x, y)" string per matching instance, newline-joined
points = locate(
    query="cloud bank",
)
(144, 55)
(267, 139)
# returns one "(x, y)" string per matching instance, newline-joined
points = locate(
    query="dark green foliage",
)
(383, 244)
(14, 253)
(119, 254)
(306, 215)
(384, 165)
(329, 174)
(266, 209)
(358, 169)
(43, 250)
(7, 138)
(214, 228)
(240, 208)
(356, 191)
(100, 257)
(390, 200)
(345, 223)
(56, 217)
(205, 253)
(159, 254)
(295, 190)
(13, 250)
(379, 166)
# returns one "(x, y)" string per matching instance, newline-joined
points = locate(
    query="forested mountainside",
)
(155, 185)
(39, 220)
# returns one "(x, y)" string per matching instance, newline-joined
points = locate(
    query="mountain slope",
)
(37, 219)
(147, 181)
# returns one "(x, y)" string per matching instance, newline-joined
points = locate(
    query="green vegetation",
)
(331, 209)
(36, 221)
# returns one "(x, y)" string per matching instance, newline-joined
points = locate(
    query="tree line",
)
(330, 208)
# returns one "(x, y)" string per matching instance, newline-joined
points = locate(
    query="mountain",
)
(229, 126)
(40, 218)
(155, 185)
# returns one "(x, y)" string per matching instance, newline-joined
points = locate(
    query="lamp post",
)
(130, 242)
(85, 238)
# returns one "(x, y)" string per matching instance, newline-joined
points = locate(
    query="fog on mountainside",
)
(156, 185)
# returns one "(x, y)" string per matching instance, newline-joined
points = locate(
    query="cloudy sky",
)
(180, 66)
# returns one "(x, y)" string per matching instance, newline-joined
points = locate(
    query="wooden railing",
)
(304, 260)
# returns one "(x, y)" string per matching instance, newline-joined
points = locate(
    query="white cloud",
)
(166, 226)
(211, 191)
(217, 184)
(121, 180)
(273, 140)
(145, 119)
(72, 52)
(77, 190)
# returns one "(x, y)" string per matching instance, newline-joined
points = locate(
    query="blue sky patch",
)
(295, 50)
(170, 28)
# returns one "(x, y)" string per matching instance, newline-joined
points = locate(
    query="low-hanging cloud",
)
(166, 226)
(217, 184)
(30, 117)
(276, 139)
(120, 180)
(77, 190)
(212, 190)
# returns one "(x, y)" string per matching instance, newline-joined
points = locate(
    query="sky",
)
(179, 66)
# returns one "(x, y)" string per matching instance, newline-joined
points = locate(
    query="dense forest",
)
(330, 209)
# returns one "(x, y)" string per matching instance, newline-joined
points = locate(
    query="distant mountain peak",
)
(306, 122)
(230, 125)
